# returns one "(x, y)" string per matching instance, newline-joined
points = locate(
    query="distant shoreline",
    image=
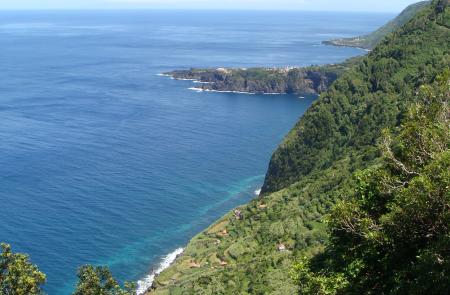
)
(341, 43)
(197, 89)
(287, 80)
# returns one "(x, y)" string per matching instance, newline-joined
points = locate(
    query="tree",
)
(393, 235)
(18, 276)
(99, 281)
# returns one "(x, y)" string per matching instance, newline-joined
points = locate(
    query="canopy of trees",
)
(393, 235)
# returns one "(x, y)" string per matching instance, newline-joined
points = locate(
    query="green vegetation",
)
(313, 79)
(241, 256)
(393, 235)
(375, 94)
(99, 281)
(371, 154)
(371, 40)
(313, 170)
(18, 276)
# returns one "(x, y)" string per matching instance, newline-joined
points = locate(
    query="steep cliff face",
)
(311, 80)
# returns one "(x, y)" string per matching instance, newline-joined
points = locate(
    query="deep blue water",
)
(103, 162)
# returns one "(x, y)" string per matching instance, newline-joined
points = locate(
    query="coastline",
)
(269, 81)
(193, 263)
(149, 283)
(198, 89)
(220, 91)
(337, 43)
(146, 283)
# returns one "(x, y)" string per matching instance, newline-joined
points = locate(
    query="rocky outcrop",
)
(308, 80)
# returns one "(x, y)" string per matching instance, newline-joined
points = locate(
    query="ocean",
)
(104, 162)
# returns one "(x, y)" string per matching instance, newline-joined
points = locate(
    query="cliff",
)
(308, 80)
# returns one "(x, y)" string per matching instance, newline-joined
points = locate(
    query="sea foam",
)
(146, 283)
(197, 89)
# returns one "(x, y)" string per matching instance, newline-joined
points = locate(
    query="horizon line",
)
(195, 9)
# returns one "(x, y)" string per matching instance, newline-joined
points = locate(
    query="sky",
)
(321, 5)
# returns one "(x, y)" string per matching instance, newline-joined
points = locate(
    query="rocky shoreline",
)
(349, 42)
(307, 80)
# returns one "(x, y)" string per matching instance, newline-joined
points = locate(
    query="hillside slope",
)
(253, 252)
(369, 41)
(349, 116)
(392, 234)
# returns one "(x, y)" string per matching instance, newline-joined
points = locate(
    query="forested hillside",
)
(348, 118)
(391, 236)
(355, 201)
(256, 251)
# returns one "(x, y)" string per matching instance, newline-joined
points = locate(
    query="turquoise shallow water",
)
(104, 162)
